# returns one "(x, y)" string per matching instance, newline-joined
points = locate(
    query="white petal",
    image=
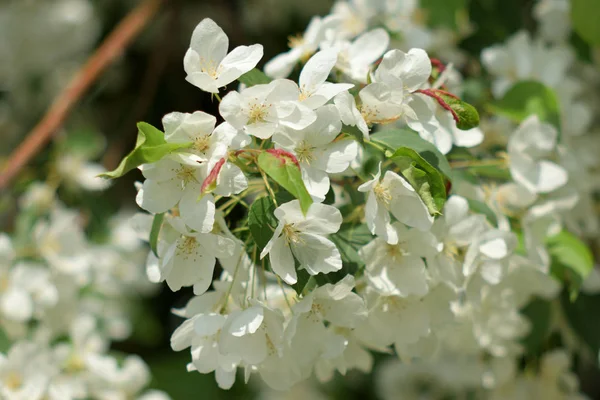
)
(16, 304)
(406, 205)
(198, 214)
(184, 127)
(231, 180)
(247, 322)
(208, 324)
(158, 197)
(336, 157)
(316, 70)
(316, 182)
(282, 261)
(209, 42)
(241, 60)
(317, 254)
(321, 219)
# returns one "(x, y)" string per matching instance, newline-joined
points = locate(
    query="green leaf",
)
(443, 12)
(329, 197)
(349, 240)
(585, 16)
(156, 225)
(150, 147)
(262, 221)
(526, 98)
(572, 260)
(468, 117)
(539, 314)
(286, 172)
(254, 77)
(582, 316)
(423, 177)
(305, 280)
(393, 139)
(482, 208)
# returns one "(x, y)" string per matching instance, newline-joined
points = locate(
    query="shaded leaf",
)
(539, 314)
(254, 77)
(526, 98)
(427, 181)
(572, 260)
(585, 16)
(581, 315)
(285, 170)
(262, 221)
(393, 139)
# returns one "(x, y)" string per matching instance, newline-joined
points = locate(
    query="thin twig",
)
(110, 49)
(157, 63)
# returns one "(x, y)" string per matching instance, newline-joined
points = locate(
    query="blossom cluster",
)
(349, 211)
(358, 235)
(63, 299)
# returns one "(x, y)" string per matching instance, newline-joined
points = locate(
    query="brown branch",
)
(108, 51)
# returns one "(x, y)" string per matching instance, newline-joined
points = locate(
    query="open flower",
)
(393, 194)
(302, 236)
(301, 47)
(207, 64)
(398, 269)
(316, 151)
(261, 109)
(188, 258)
(529, 149)
(313, 90)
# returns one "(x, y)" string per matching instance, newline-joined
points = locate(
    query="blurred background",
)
(44, 42)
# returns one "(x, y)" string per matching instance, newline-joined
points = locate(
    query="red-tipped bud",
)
(210, 183)
(284, 156)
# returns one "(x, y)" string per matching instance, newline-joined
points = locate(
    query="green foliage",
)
(585, 16)
(420, 162)
(349, 240)
(443, 13)
(468, 117)
(286, 173)
(394, 139)
(582, 317)
(261, 221)
(150, 147)
(154, 231)
(423, 177)
(572, 260)
(254, 77)
(482, 208)
(526, 98)
(539, 313)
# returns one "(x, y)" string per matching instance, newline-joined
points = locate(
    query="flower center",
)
(258, 113)
(209, 67)
(304, 152)
(291, 234)
(202, 143)
(14, 380)
(75, 363)
(186, 174)
(295, 41)
(187, 245)
(304, 93)
(395, 251)
(382, 194)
